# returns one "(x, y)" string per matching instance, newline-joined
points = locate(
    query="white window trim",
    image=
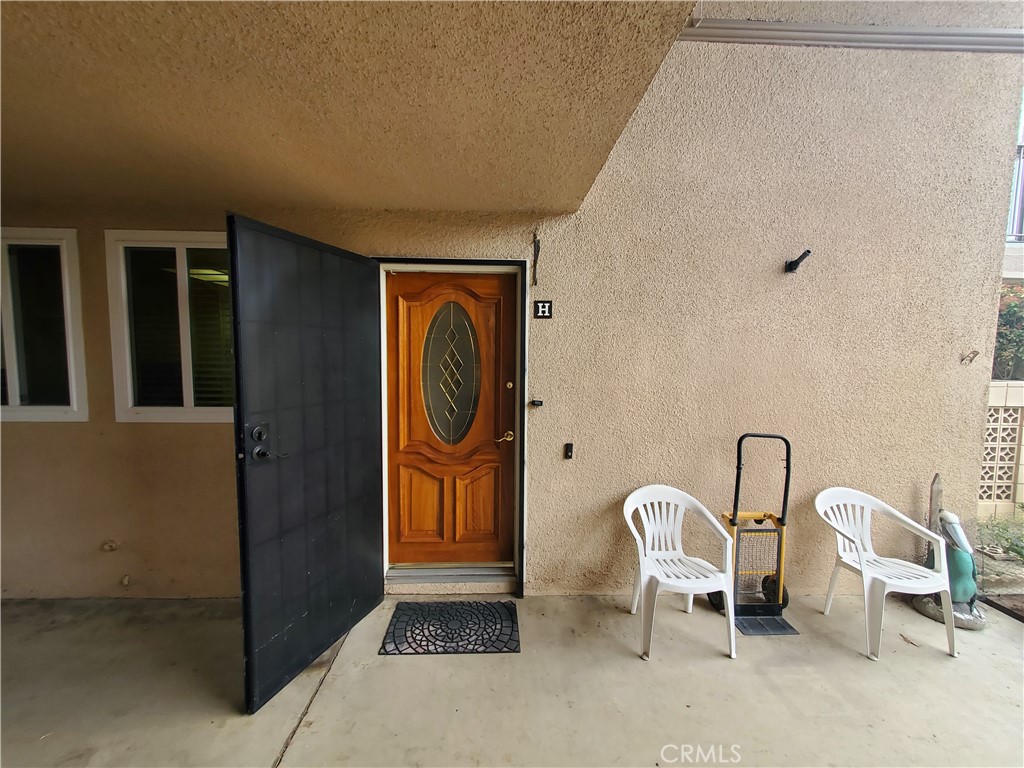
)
(1013, 262)
(117, 291)
(67, 240)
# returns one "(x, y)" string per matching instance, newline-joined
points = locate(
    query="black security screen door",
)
(308, 447)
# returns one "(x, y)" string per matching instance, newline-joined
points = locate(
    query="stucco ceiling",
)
(434, 106)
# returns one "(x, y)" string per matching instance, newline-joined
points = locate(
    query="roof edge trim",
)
(974, 40)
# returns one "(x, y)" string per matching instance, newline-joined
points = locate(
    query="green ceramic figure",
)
(963, 573)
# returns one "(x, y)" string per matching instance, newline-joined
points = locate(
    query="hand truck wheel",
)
(717, 600)
(770, 587)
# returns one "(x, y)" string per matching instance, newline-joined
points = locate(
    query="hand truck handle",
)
(739, 472)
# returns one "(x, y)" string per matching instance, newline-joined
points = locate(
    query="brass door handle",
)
(507, 436)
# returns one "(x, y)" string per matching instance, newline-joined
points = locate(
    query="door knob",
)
(507, 436)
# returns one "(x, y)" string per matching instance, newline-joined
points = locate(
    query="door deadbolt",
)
(259, 434)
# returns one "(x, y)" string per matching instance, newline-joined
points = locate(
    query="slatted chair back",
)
(661, 509)
(848, 512)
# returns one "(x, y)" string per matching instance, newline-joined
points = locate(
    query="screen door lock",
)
(260, 452)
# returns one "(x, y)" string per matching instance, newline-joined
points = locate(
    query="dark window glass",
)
(37, 303)
(209, 306)
(451, 373)
(153, 326)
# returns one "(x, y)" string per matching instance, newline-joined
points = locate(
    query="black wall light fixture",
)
(792, 264)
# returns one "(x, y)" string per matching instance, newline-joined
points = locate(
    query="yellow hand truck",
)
(759, 550)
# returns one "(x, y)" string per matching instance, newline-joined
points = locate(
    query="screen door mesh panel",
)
(757, 556)
(452, 627)
(308, 447)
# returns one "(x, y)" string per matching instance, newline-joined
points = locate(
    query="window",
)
(171, 326)
(1008, 360)
(42, 358)
(1015, 221)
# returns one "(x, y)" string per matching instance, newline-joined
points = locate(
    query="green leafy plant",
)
(1008, 362)
(1004, 532)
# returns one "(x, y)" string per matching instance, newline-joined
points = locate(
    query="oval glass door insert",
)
(451, 373)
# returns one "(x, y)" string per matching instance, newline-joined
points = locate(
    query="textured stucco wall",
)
(375, 105)
(164, 492)
(675, 330)
(894, 169)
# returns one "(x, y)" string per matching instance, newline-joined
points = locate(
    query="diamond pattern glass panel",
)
(451, 373)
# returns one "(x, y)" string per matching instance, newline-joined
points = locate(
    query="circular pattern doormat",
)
(452, 627)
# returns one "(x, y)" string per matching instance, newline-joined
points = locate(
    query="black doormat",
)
(764, 625)
(452, 627)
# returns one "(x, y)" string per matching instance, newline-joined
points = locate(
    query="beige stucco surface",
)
(444, 106)
(675, 328)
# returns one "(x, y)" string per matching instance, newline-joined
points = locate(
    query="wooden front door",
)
(452, 409)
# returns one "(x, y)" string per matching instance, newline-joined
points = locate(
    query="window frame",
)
(120, 337)
(74, 338)
(1013, 262)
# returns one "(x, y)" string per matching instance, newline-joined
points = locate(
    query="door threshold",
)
(432, 573)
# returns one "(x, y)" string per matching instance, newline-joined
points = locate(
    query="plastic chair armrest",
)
(714, 525)
(640, 548)
(916, 528)
(854, 542)
(727, 564)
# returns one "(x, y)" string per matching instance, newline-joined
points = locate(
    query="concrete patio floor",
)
(150, 683)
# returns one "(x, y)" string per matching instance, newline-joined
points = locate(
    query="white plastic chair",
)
(848, 513)
(663, 567)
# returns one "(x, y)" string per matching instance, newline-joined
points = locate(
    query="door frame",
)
(517, 267)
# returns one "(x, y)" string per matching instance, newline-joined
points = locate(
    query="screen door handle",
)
(261, 453)
(507, 436)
